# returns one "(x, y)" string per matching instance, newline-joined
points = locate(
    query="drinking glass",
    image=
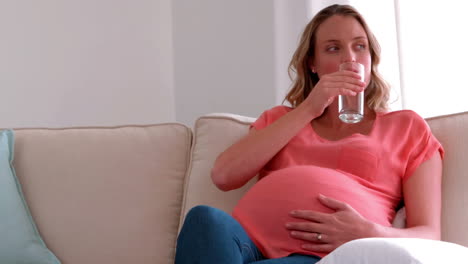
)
(351, 108)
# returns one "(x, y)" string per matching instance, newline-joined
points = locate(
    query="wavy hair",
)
(304, 80)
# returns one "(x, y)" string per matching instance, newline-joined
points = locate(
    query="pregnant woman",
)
(322, 182)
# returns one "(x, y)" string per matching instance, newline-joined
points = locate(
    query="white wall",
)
(290, 19)
(111, 62)
(87, 62)
(223, 57)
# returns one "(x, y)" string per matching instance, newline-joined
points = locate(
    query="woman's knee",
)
(203, 214)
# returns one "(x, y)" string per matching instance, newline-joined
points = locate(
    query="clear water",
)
(350, 117)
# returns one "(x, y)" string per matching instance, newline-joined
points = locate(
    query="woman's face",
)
(341, 39)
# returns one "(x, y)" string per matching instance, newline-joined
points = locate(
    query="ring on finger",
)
(319, 237)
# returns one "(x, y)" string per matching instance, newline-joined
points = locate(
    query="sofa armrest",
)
(397, 250)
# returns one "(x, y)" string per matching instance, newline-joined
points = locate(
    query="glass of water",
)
(351, 108)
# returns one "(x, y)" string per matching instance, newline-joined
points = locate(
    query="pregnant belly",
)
(264, 209)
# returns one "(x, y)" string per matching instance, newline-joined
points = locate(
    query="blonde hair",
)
(377, 92)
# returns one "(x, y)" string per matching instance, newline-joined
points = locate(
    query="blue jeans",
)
(211, 236)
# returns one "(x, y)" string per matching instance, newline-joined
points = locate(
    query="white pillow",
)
(397, 250)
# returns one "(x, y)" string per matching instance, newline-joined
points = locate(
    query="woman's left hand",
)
(328, 231)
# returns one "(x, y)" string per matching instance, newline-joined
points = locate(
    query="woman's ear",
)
(311, 65)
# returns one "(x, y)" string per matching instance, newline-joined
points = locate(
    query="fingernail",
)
(322, 196)
(293, 212)
(288, 225)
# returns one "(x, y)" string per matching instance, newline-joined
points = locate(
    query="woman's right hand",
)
(330, 86)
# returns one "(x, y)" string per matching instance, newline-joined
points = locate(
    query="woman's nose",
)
(348, 55)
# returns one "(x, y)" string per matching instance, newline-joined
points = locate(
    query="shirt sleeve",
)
(269, 116)
(424, 146)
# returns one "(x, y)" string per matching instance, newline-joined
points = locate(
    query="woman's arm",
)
(422, 196)
(242, 161)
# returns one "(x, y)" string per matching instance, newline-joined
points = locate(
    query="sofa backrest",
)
(452, 132)
(105, 195)
(214, 133)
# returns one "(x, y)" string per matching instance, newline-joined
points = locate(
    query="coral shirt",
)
(365, 171)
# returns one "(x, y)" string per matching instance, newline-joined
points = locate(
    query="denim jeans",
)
(210, 236)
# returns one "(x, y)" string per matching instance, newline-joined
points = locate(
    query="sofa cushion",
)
(105, 195)
(451, 131)
(212, 135)
(20, 241)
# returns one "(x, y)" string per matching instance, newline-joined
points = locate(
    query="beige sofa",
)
(118, 194)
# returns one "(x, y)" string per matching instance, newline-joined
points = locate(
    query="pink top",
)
(365, 171)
